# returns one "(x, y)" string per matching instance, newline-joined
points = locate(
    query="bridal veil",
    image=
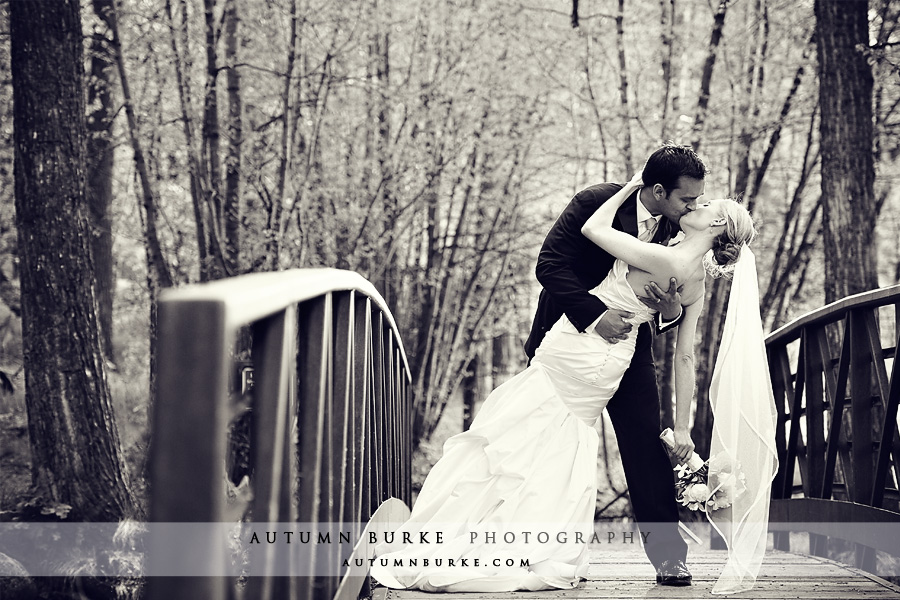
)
(743, 459)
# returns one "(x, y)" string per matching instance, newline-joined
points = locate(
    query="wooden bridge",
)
(327, 428)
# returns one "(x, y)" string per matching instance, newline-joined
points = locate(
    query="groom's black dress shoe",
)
(673, 572)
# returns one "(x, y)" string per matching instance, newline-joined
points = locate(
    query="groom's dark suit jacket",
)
(570, 264)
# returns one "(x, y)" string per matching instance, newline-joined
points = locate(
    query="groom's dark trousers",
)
(568, 266)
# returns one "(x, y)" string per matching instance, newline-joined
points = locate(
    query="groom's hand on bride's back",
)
(612, 326)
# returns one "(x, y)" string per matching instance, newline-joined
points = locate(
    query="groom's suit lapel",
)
(627, 214)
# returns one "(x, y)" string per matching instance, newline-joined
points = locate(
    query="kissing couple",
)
(529, 460)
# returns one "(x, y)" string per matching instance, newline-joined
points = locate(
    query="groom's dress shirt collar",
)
(642, 213)
(643, 216)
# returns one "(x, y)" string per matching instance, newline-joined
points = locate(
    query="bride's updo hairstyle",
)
(726, 248)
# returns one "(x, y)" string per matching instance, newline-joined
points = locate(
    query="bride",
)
(510, 504)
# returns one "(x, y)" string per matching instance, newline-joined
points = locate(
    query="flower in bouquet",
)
(713, 486)
(727, 479)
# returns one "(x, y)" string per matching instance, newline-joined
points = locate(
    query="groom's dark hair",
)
(669, 163)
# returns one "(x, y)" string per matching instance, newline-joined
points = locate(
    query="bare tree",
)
(100, 82)
(706, 79)
(211, 184)
(159, 275)
(232, 202)
(623, 88)
(667, 25)
(712, 319)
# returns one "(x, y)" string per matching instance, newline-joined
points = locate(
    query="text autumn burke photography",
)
(506, 543)
(437, 537)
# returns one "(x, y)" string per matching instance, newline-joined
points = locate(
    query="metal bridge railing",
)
(330, 412)
(837, 409)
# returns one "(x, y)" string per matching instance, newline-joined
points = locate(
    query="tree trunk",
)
(711, 324)
(197, 172)
(471, 389)
(158, 273)
(276, 209)
(788, 248)
(235, 134)
(212, 185)
(667, 26)
(785, 110)
(845, 98)
(664, 345)
(76, 453)
(749, 107)
(99, 169)
(706, 78)
(623, 90)
(502, 365)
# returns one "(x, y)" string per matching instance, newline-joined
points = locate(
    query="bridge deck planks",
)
(627, 574)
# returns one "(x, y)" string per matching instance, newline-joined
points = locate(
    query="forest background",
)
(429, 146)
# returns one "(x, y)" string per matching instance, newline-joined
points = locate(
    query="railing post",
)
(187, 464)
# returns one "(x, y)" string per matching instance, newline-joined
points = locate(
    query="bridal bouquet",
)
(706, 485)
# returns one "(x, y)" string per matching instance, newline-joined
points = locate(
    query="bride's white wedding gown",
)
(527, 466)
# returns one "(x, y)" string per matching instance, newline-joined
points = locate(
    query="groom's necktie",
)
(648, 228)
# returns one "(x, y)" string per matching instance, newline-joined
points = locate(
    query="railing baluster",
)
(364, 421)
(378, 402)
(861, 407)
(313, 365)
(343, 398)
(325, 585)
(862, 453)
(838, 402)
(782, 540)
(888, 432)
(392, 413)
(795, 395)
(273, 354)
(814, 365)
(779, 389)
(890, 440)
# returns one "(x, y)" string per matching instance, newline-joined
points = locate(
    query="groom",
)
(568, 266)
